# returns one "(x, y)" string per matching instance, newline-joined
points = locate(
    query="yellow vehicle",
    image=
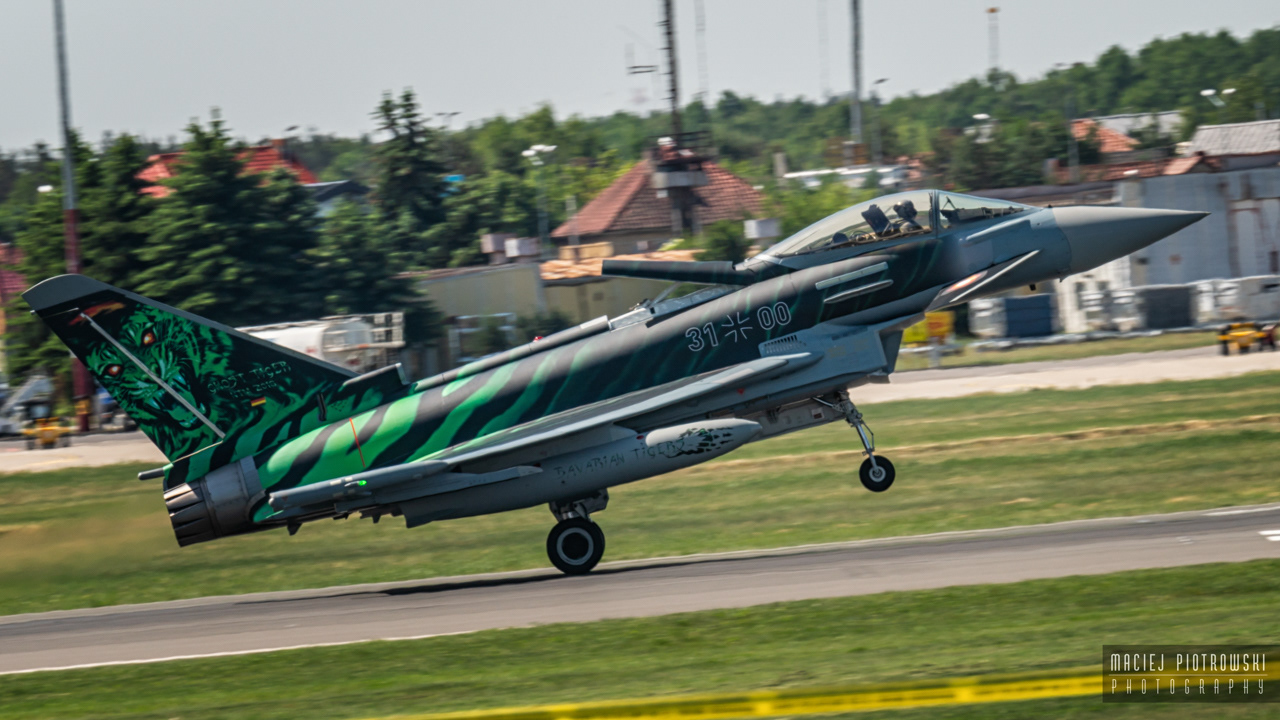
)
(937, 328)
(1245, 335)
(44, 429)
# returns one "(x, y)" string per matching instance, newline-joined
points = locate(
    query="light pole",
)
(535, 154)
(81, 386)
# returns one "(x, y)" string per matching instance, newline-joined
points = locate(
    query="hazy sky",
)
(149, 66)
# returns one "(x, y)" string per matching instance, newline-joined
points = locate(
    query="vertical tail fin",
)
(188, 382)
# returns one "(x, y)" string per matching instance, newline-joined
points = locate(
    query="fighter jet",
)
(261, 437)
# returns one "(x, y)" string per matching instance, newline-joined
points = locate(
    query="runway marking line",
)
(230, 653)
(1272, 535)
(1073, 682)
(1244, 511)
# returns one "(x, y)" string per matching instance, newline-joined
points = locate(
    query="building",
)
(257, 159)
(634, 215)
(1230, 171)
(1168, 123)
(472, 299)
(328, 194)
(1240, 238)
(574, 286)
(1239, 146)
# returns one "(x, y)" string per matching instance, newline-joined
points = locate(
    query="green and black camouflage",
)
(210, 396)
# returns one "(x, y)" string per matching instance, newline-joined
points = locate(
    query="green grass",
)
(95, 536)
(1026, 626)
(1095, 348)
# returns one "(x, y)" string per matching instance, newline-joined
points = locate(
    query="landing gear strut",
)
(576, 544)
(877, 472)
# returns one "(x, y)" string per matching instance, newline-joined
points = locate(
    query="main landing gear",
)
(877, 472)
(576, 544)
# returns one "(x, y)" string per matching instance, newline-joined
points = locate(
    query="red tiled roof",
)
(590, 267)
(11, 281)
(1184, 165)
(1138, 169)
(1109, 140)
(630, 203)
(257, 159)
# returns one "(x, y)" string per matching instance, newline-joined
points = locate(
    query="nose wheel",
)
(876, 474)
(575, 546)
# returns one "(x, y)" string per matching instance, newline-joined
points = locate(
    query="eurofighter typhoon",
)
(261, 437)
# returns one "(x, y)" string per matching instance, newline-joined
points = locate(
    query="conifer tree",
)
(227, 245)
(409, 186)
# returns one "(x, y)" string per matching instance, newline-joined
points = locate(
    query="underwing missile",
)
(350, 486)
(587, 471)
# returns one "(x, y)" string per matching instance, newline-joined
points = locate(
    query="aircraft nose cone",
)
(1098, 235)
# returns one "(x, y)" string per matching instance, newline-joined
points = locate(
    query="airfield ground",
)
(949, 632)
(1073, 351)
(94, 536)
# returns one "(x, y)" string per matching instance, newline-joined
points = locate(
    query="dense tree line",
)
(238, 248)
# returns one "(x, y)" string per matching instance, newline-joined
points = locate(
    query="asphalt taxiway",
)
(243, 624)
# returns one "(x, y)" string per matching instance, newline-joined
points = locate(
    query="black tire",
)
(877, 481)
(575, 546)
(1226, 349)
(31, 444)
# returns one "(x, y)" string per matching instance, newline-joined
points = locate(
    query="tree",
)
(540, 325)
(352, 269)
(111, 233)
(224, 244)
(29, 344)
(115, 212)
(724, 240)
(409, 187)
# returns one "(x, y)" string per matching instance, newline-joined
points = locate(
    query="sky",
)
(151, 66)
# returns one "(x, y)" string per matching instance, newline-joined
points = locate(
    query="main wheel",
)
(575, 546)
(879, 477)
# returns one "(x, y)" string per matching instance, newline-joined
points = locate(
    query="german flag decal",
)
(258, 402)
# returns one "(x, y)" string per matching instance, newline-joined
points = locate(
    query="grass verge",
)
(1073, 351)
(1024, 626)
(95, 536)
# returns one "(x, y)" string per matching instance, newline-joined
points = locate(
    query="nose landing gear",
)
(877, 472)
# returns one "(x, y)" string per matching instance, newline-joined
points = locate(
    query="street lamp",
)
(1218, 99)
(535, 154)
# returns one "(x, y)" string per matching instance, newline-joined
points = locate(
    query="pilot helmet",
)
(906, 210)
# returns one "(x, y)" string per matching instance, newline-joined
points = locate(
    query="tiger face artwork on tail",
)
(203, 392)
(180, 353)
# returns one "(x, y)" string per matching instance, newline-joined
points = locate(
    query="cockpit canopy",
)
(893, 217)
(955, 210)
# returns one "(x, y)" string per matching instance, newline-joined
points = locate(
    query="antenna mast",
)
(855, 98)
(673, 74)
(705, 90)
(993, 34)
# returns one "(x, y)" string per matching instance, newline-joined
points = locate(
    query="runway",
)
(270, 621)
